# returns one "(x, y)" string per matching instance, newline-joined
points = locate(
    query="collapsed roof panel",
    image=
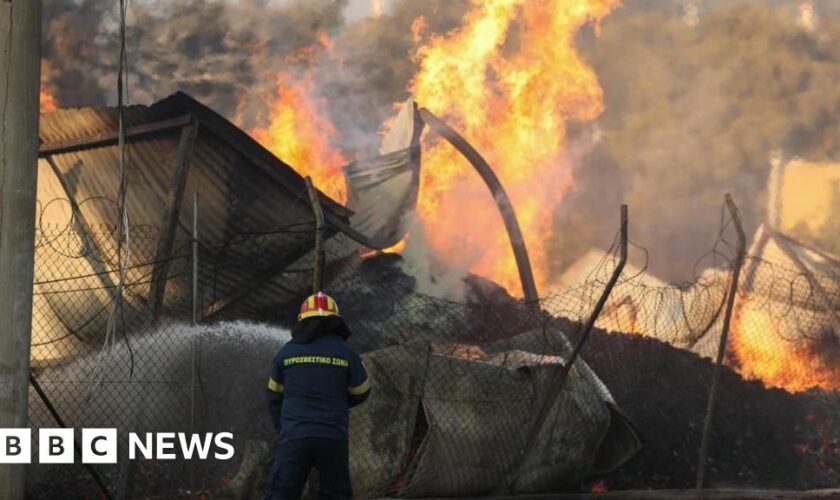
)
(384, 188)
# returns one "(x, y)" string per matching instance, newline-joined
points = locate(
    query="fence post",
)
(20, 55)
(195, 260)
(194, 340)
(724, 335)
(556, 388)
(317, 278)
(599, 306)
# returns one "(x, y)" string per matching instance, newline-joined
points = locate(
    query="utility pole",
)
(20, 67)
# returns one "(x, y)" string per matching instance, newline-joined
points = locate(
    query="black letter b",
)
(56, 446)
(13, 446)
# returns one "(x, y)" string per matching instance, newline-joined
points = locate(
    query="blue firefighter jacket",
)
(313, 383)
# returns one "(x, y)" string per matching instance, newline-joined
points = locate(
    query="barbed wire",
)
(454, 343)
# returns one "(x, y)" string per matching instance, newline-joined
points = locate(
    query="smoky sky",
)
(228, 53)
(696, 106)
(219, 52)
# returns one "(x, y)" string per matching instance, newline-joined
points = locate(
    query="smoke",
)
(74, 64)
(227, 54)
(147, 388)
(368, 72)
(224, 54)
(695, 110)
(589, 213)
(432, 276)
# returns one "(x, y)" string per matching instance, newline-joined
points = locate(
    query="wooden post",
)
(724, 335)
(317, 275)
(194, 281)
(517, 241)
(171, 215)
(20, 60)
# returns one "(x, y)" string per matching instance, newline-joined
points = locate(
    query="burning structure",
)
(165, 143)
(429, 366)
(438, 364)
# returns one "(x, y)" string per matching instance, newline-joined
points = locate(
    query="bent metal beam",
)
(517, 241)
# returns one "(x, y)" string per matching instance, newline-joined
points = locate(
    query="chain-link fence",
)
(469, 397)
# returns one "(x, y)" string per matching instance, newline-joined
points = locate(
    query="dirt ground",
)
(762, 438)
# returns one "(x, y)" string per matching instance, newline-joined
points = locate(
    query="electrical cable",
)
(123, 235)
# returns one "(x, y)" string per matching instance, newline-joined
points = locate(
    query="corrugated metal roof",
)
(68, 124)
(254, 216)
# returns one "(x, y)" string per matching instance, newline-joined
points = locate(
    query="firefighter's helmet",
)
(319, 304)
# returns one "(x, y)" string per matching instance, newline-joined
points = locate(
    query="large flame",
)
(509, 79)
(298, 130)
(764, 353)
(299, 133)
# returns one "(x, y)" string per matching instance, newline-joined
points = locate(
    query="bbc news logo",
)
(100, 446)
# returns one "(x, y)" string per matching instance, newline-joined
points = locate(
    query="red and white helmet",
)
(319, 304)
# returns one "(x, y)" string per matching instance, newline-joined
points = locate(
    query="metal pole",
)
(317, 278)
(20, 60)
(194, 340)
(517, 240)
(599, 306)
(724, 335)
(557, 388)
(195, 260)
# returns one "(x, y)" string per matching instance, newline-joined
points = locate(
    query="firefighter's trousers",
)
(296, 457)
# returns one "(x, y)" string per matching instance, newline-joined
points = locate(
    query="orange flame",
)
(511, 98)
(509, 91)
(299, 133)
(48, 102)
(397, 248)
(764, 354)
(325, 41)
(418, 27)
(299, 130)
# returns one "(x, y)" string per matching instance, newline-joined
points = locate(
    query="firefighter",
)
(315, 379)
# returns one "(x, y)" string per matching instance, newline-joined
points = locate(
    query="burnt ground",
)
(761, 438)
